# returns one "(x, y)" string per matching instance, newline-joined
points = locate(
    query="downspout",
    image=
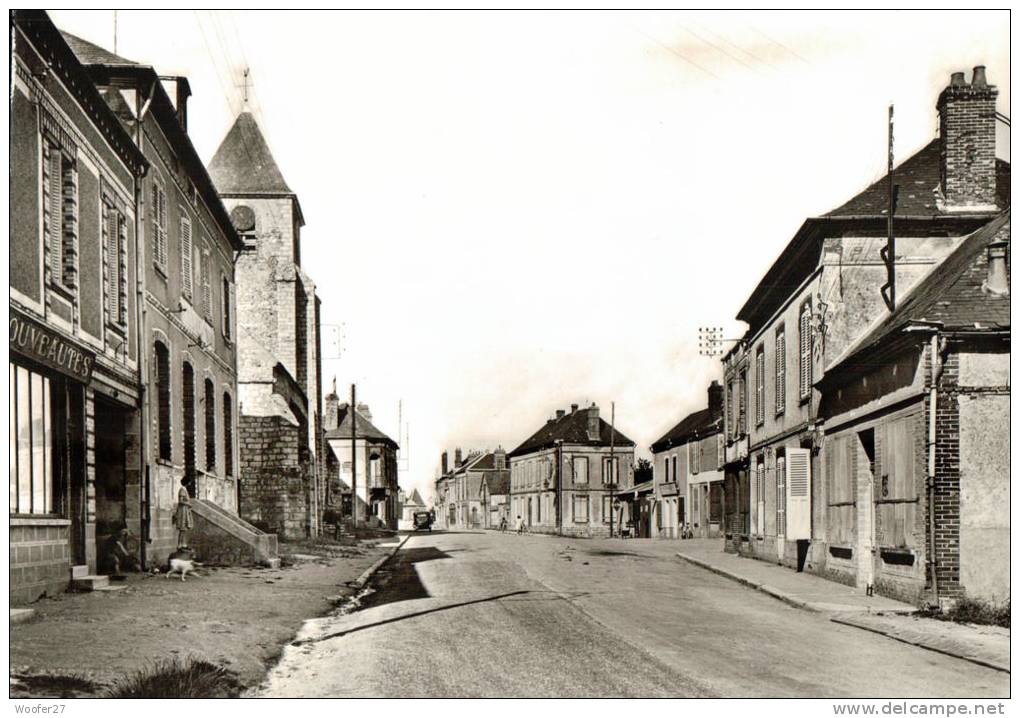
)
(140, 344)
(559, 487)
(937, 346)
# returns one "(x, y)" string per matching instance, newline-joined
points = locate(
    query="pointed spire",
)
(243, 163)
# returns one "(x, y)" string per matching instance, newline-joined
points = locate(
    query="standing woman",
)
(183, 519)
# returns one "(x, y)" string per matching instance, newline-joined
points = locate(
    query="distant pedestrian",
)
(502, 524)
(520, 525)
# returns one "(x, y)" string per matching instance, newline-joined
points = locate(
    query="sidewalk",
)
(798, 589)
(78, 645)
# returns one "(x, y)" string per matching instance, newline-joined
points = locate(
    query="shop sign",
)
(39, 343)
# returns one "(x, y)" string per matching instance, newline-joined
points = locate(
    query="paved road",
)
(472, 614)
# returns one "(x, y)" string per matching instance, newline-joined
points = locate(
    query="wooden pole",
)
(354, 458)
(612, 464)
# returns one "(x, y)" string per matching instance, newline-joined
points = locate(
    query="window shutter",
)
(187, 278)
(798, 494)
(206, 286)
(759, 409)
(111, 285)
(805, 352)
(68, 220)
(159, 225)
(54, 214)
(780, 371)
(121, 268)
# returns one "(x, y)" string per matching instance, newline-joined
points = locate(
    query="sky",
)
(510, 212)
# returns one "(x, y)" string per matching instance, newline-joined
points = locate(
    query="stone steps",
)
(90, 583)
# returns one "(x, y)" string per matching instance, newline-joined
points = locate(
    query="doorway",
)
(865, 448)
(111, 493)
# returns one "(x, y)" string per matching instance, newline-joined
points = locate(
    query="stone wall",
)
(40, 559)
(274, 482)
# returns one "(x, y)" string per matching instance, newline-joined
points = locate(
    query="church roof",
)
(243, 164)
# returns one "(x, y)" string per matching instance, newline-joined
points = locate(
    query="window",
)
(804, 350)
(781, 496)
(743, 401)
(228, 435)
(187, 268)
(674, 469)
(162, 381)
(580, 469)
(780, 370)
(227, 307)
(695, 456)
(210, 426)
(204, 272)
(759, 388)
(115, 262)
(31, 443)
(607, 509)
(60, 204)
(731, 424)
(610, 469)
(580, 509)
(159, 226)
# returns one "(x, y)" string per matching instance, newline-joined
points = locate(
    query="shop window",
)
(210, 427)
(31, 443)
(162, 367)
(228, 435)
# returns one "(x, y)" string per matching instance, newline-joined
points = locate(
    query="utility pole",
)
(354, 458)
(612, 463)
(888, 253)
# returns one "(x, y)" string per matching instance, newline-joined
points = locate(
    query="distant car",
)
(422, 520)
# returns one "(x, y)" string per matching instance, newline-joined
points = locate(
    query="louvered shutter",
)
(68, 221)
(805, 352)
(759, 409)
(54, 214)
(206, 286)
(123, 273)
(781, 372)
(187, 278)
(798, 494)
(111, 285)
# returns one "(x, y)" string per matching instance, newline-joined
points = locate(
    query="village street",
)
(486, 614)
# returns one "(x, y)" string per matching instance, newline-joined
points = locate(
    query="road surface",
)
(485, 614)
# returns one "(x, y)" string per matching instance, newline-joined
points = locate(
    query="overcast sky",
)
(512, 212)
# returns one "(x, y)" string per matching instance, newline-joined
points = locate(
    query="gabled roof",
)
(497, 483)
(482, 461)
(415, 499)
(697, 425)
(89, 54)
(364, 429)
(918, 177)
(951, 296)
(244, 164)
(571, 428)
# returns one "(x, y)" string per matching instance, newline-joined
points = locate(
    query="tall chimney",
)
(444, 459)
(499, 457)
(998, 278)
(967, 144)
(593, 423)
(715, 399)
(457, 458)
(331, 411)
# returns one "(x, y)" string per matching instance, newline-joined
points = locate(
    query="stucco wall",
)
(984, 496)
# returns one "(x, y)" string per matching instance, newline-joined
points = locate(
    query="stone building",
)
(816, 300)
(189, 360)
(916, 443)
(562, 476)
(464, 500)
(409, 506)
(76, 427)
(279, 359)
(687, 469)
(496, 498)
(373, 476)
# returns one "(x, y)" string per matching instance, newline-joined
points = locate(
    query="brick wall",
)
(947, 481)
(967, 132)
(40, 562)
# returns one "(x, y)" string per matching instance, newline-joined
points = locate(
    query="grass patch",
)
(46, 685)
(174, 678)
(972, 610)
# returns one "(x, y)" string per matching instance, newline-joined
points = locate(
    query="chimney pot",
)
(560, 413)
(573, 408)
(997, 282)
(956, 80)
(979, 79)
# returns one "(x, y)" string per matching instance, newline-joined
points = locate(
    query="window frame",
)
(160, 228)
(55, 140)
(50, 447)
(573, 467)
(584, 499)
(115, 262)
(781, 513)
(164, 396)
(228, 434)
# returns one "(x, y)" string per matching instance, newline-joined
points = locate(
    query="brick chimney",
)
(458, 458)
(365, 411)
(967, 143)
(593, 423)
(499, 457)
(715, 399)
(445, 462)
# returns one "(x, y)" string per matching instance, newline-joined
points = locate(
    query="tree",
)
(643, 471)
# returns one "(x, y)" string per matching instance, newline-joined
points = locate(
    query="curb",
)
(367, 574)
(927, 646)
(775, 593)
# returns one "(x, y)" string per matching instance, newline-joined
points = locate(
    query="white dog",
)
(181, 562)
